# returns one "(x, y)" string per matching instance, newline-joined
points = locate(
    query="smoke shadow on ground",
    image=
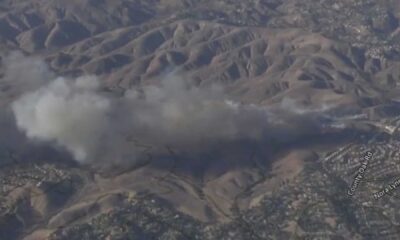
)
(17, 150)
(215, 160)
(229, 157)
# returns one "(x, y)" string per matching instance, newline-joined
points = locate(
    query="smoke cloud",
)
(96, 126)
(24, 74)
(70, 113)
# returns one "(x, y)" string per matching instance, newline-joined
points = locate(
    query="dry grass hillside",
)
(344, 54)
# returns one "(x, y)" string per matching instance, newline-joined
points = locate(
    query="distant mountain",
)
(344, 54)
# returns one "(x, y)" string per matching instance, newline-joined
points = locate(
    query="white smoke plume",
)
(95, 126)
(24, 74)
(70, 113)
(75, 115)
